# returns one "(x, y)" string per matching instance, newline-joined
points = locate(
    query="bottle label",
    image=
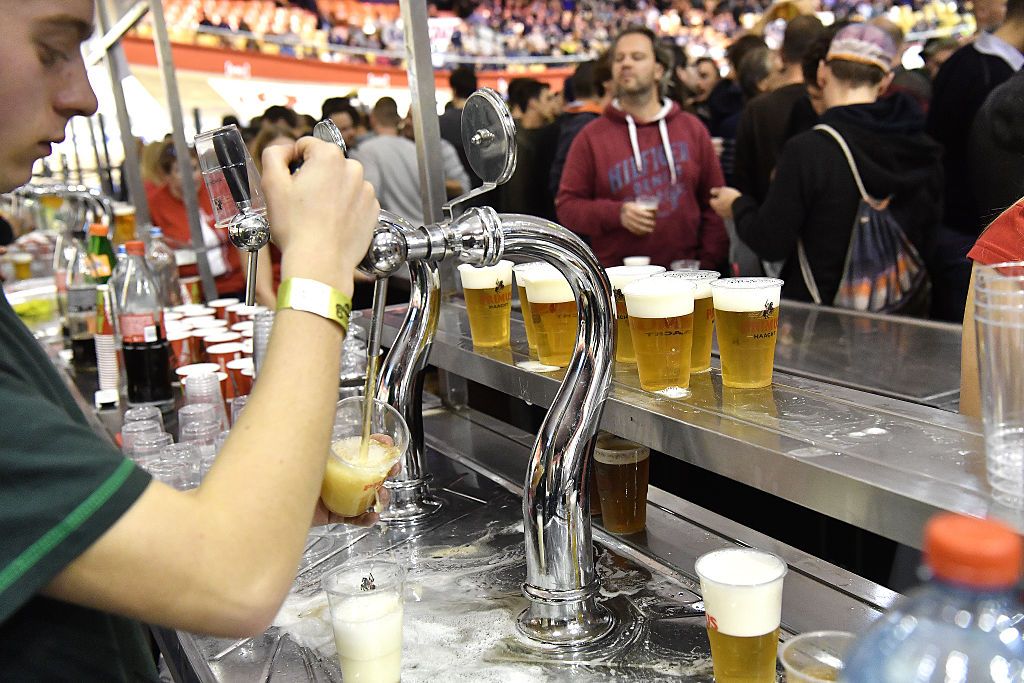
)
(100, 265)
(82, 299)
(137, 328)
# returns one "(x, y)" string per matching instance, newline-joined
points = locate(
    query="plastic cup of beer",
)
(815, 657)
(352, 475)
(620, 276)
(648, 203)
(747, 318)
(742, 590)
(685, 264)
(124, 223)
(366, 601)
(703, 315)
(661, 323)
(521, 272)
(488, 291)
(555, 319)
(22, 265)
(636, 261)
(623, 471)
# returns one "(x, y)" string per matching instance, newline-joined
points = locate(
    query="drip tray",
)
(463, 595)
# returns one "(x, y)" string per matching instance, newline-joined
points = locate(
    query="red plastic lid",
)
(976, 552)
(98, 230)
(135, 248)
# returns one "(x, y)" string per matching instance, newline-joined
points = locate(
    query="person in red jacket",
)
(643, 146)
(167, 210)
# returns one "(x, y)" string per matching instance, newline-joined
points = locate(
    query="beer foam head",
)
(522, 270)
(486, 277)
(701, 278)
(621, 276)
(742, 590)
(658, 298)
(746, 294)
(614, 450)
(547, 287)
(377, 456)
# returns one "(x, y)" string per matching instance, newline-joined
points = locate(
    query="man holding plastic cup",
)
(91, 542)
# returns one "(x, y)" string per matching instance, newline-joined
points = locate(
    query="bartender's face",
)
(42, 80)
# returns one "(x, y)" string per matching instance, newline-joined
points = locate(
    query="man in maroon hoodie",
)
(643, 146)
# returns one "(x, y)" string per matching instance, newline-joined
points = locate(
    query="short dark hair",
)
(602, 72)
(385, 112)
(1015, 9)
(463, 81)
(582, 82)
(740, 47)
(855, 73)
(661, 55)
(522, 90)
(801, 33)
(754, 68)
(708, 60)
(815, 54)
(338, 105)
(279, 114)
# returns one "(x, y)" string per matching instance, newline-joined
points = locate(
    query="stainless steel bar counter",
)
(466, 567)
(879, 463)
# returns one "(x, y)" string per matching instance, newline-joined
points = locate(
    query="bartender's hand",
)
(323, 216)
(637, 219)
(722, 199)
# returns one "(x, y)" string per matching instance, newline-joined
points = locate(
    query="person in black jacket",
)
(813, 197)
(996, 149)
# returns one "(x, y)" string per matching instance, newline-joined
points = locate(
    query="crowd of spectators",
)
(511, 29)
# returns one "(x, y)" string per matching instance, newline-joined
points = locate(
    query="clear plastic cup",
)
(133, 430)
(620, 276)
(685, 264)
(622, 470)
(742, 591)
(999, 323)
(747, 319)
(140, 413)
(149, 446)
(237, 406)
(488, 293)
(815, 657)
(366, 601)
(204, 387)
(203, 437)
(178, 466)
(263, 323)
(703, 315)
(352, 477)
(196, 412)
(636, 261)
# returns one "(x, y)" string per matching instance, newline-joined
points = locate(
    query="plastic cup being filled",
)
(353, 473)
(366, 602)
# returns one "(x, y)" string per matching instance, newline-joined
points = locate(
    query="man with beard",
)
(643, 147)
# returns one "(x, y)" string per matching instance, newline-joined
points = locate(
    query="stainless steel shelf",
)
(879, 463)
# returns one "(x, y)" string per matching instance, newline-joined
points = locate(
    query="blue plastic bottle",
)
(965, 626)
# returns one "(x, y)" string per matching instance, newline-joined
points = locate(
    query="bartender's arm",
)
(222, 560)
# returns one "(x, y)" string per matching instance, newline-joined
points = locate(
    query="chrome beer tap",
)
(561, 580)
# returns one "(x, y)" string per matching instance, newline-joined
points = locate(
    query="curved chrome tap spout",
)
(400, 384)
(561, 581)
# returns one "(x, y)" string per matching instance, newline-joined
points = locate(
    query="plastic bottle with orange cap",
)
(966, 624)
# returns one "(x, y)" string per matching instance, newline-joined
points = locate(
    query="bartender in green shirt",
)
(90, 546)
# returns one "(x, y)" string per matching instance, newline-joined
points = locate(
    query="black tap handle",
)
(231, 157)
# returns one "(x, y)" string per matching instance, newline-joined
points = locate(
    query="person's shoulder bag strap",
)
(805, 266)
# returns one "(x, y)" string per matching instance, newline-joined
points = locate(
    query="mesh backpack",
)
(883, 272)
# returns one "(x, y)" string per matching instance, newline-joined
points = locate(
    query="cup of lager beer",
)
(623, 470)
(742, 590)
(520, 272)
(703, 315)
(124, 223)
(620, 276)
(747, 318)
(661, 323)
(555, 319)
(353, 473)
(488, 291)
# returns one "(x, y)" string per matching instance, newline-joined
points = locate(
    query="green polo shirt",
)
(61, 487)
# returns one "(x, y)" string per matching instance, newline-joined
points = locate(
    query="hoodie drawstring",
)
(663, 129)
(668, 149)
